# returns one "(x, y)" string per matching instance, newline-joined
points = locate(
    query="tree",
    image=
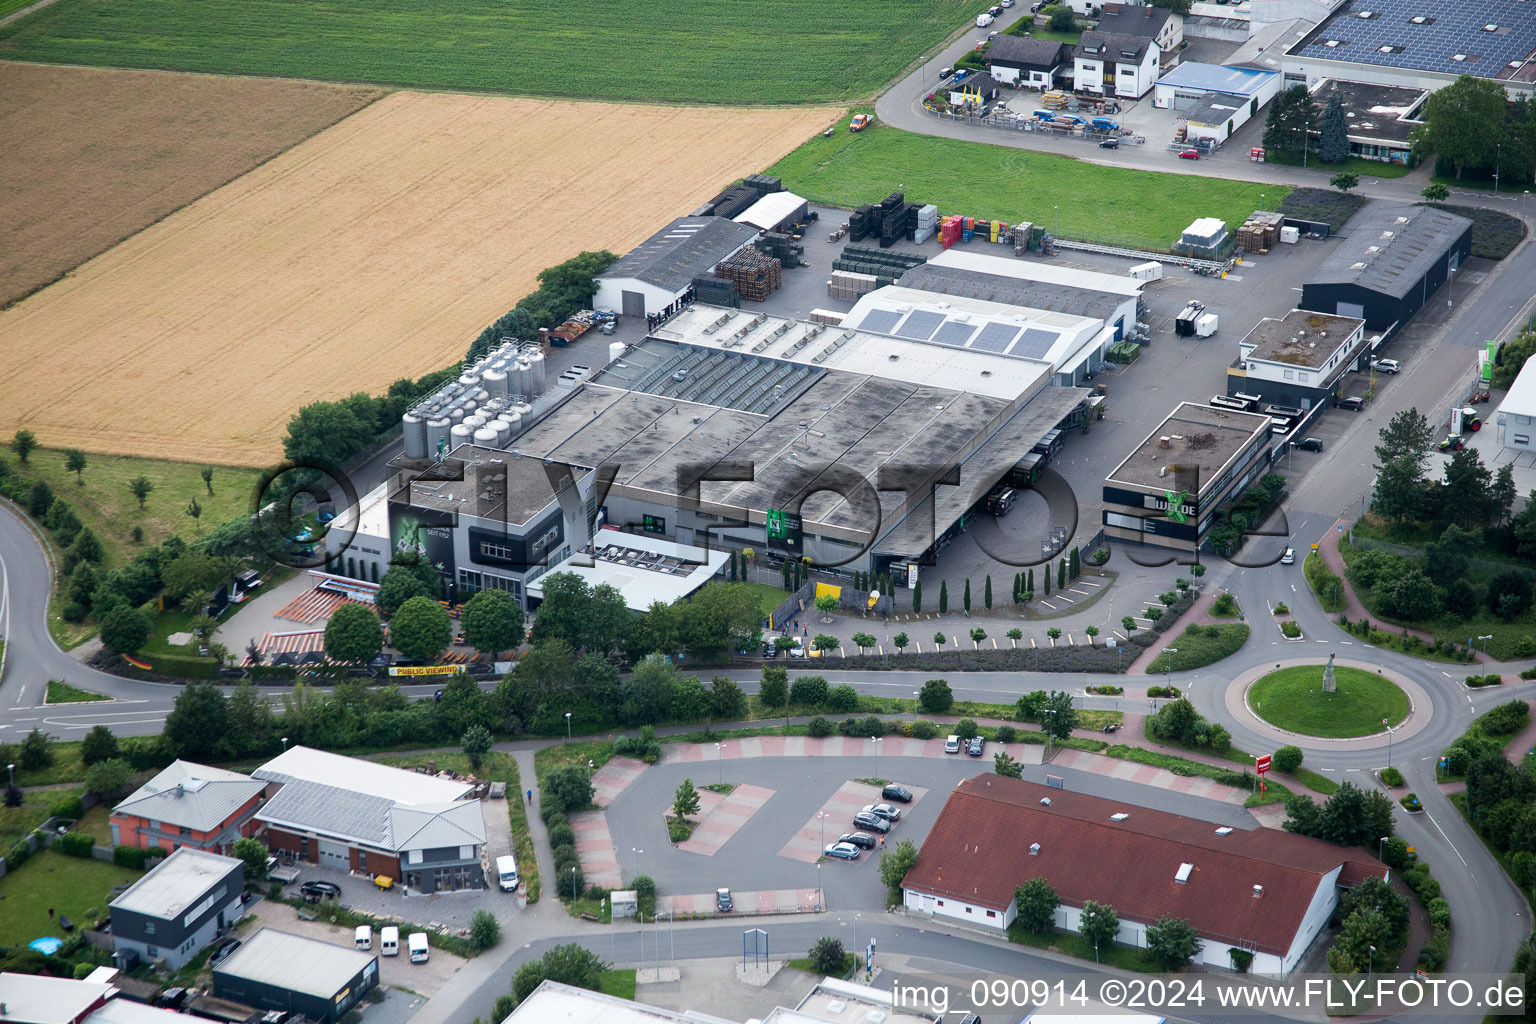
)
(986, 592)
(1054, 632)
(399, 585)
(1015, 634)
(1172, 942)
(197, 729)
(327, 432)
(124, 631)
(569, 787)
(207, 474)
(1502, 494)
(894, 866)
(977, 636)
(1091, 632)
(484, 931)
(900, 641)
(1003, 764)
(108, 780)
(939, 639)
(1345, 180)
(24, 443)
(966, 599)
(142, 487)
(1099, 924)
(1377, 895)
(1469, 490)
(825, 642)
(195, 510)
(35, 751)
(917, 597)
(1333, 145)
(353, 634)
(569, 964)
(685, 802)
(726, 701)
(74, 461)
(1399, 492)
(1057, 716)
(773, 691)
(420, 629)
(863, 640)
(1128, 624)
(1061, 574)
(99, 745)
(1435, 193)
(1046, 576)
(1463, 123)
(476, 742)
(1287, 759)
(254, 853)
(1509, 594)
(40, 499)
(493, 622)
(943, 597)
(936, 697)
(83, 584)
(1061, 19)
(1292, 115)
(1036, 901)
(826, 604)
(828, 957)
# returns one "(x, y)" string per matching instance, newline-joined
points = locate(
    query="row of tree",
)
(1470, 125)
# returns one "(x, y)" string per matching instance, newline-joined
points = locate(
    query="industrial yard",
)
(373, 251)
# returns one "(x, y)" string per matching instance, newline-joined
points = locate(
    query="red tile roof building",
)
(1259, 889)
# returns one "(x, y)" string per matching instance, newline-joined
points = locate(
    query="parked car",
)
(723, 901)
(1034, 8)
(873, 822)
(976, 746)
(886, 811)
(1354, 403)
(1387, 365)
(1007, 3)
(952, 745)
(842, 851)
(222, 952)
(900, 794)
(1309, 444)
(945, 73)
(321, 890)
(797, 651)
(1452, 443)
(983, 19)
(1189, 154)
(770, 651)
(995, 11)
(862, 839)
(1110, 144)
(1289, 558)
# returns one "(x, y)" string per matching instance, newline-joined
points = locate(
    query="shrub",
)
(965, 728)
(1492, 679)
(1411, 802)
(69, 807)
(562, 834)
(1394, 853)
(819, 726)
(925, 730)
(1439, 913)
(128, 857)
(809, 690)
(75, 844)
(828, 956)
(843, 698)
(1225, 604)
(1290, 629)
(1242, 959)
(1282, 609)
(74, 611)
(1007, 734)
(1391, 776)
(645, 895)
(1288, 759)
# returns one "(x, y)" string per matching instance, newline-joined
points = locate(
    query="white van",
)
(506, 873)
(952, 745)
(416, 944)
(364, 937)
(389, 940)
(983, 20)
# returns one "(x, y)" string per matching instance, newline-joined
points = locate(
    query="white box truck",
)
(416, 944)
(389, 940)
(506, 873)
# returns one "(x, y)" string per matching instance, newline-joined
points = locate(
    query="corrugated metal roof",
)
(297, 963)
(191, 795)
(681, 251)
(1245, 82)
(771, 210)
(1389, 247)
(181, 880)
(361, 776)
(433, 828)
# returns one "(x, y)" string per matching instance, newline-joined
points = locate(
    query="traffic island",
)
(1360, 704)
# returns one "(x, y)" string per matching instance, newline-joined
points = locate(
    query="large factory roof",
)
(1390, 246)
(1041, 273)
(486, 483)
(1375, 112)
(644, 568)
(681, 251)
(1012, 291)
(1199, 437)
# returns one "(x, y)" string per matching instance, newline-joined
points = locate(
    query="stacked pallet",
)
(715, 291)
(893, 219)
(755, 274)
(1054, 100)
(829, 317)
(950, 229)
(926, 223)
(863, 223)
(1260, 232)
(849, 285)
(782, 248)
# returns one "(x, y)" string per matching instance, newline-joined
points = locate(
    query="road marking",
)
(1327, 769)
(1448, 842)
(1347, 643)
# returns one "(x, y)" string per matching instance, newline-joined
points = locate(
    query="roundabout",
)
(1362, 704)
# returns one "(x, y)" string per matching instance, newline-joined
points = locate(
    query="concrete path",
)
(767, 901)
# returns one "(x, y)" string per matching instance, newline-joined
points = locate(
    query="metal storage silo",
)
(616, 351)
(503, 430)
(536, 368)
(521, 376)
(495, 378)
(475, 422)
(462, 433)
(486, 437)
(523, 409)
(456, 412)
(514, 422)
(438, 430)
(414, 431)
(469, 380)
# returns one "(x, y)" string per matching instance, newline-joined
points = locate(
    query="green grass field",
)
(104, 503)
(12, 6)
(1293, 699)
(1142, 209)
(674, 51)
(69, 885)
(63, 693)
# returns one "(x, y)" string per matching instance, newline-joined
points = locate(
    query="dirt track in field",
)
(376, 250)
(92, 156)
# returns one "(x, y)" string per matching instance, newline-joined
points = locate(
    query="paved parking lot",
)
(721, 817)
(611, 779)
(766, 901)
(830, 821)
(594, 847)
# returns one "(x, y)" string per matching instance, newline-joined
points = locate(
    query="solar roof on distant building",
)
(1493, 39)
(881, 320)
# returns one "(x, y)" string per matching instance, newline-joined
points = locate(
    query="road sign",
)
(1262, 764)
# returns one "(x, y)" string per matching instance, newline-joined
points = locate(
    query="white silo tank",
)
(469, 380)
(495, 378)
(486, 437)
(514, 422)
(456, 412)
(523, 409)
(536, 368)
(413, 430)
(475, 422)
(522, 376)
(462, 433)
(438, 429)
(616, 351)
(503, 430)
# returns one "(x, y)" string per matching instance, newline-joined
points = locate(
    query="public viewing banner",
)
(425, 670)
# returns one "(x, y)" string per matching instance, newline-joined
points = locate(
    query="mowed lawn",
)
(106, 505)
(1293, 699)
(676, 51)
(1111, 205)
(69, 885)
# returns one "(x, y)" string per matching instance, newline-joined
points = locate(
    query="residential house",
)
(371, 819)
(188, 804)
(1026, 61)
(1159, 24)
(179, 906)
(1112, 64)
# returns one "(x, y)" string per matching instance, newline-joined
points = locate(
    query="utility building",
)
(660, 271)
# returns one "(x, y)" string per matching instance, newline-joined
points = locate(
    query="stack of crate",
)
(756, 274)
(863, 222)
(1260, 232)
(782, 248)
(848, 285)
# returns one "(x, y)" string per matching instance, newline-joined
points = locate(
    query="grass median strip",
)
(63, 693)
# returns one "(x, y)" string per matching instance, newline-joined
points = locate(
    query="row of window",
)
(474, 582)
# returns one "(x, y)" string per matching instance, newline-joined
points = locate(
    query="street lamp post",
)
(12, 769)
(1485, 640)
(1370, 964)
(1057, 209)
(590, 765)
(915, 695)
(285, 744)
(1170, 651)
(1381, 846)
(1261, 202)
(720, 763)
(1498, 151)
(876, 740)
(1255, 759)
(574, 869)
(567, 727)
(1389, 742)
(1049, 731)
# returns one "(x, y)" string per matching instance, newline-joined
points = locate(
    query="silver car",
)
(886, 811)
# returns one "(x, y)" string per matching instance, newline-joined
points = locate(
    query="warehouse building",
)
(1262, 890)
(1381, 118)
(1298, 360)
(1191, 82)
(371, 819)
(276, 970)
(1515, 418)
(659, 271)
(1393, 258)
(774, 211)
(1168, 490)
(1422, 44)
(179, 906)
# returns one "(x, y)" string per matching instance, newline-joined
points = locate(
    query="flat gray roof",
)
(1373, 111)
(176, 883)
(493, 484)
(295, 962)
(1200, 436)
(1301, 337)
(1388, 247)
(1012, 291)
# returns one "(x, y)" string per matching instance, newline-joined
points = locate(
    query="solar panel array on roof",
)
(954, 334)
(995, 337)
(920, 324)
(881, 320)
(1488, 38)
(1035, 344)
